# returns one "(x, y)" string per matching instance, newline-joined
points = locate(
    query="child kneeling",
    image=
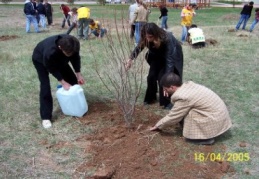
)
(196, 37)
(96, 28)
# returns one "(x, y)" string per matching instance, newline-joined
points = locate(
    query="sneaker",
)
(46, 123)
(201, 141)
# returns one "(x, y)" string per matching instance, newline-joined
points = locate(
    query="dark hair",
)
(152, 29)
(74, 9)
(69, 44)
(251, 3)
(170, 79)
(91, 21)
(193, 26)
(257, 9)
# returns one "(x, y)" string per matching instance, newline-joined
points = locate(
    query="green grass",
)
(231, 69)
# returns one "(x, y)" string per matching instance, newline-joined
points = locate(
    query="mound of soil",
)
(211, 42)
(135, 153)
(8, 37)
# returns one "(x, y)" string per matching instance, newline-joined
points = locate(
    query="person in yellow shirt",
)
(96, 28)
(83, 15)
(186, 15)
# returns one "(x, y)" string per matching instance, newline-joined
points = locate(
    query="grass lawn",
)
(230, 68)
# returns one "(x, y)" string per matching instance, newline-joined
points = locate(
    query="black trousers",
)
(198, 45)
(46, 100)
(156, 71)
(49, 19)
(132, 31)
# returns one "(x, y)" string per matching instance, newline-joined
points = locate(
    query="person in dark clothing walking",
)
(52, 56)
(49, 11)
(42, 14)
(164, 55)
(30, 13)
(163, 16)
(34, 2)
(245, 15)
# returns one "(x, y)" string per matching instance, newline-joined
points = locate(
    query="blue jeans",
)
(83, 28)
(42, 21)
(164, 22)
(71, 27)
(31, 19)
(138, 26)
(184, 33)
(243, 18)
(253, 25)
(103, 31)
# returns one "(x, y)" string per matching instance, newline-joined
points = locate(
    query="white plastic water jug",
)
(72, 101)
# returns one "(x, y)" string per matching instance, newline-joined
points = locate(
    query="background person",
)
(245, 15)
(164, 55)
(30, 13)
(52, 56)
(132, 9)
(203, 113)
(65, 10)
(140, 18)
(49, 11)
(163, 16)
(83, 14)
(73, 15)
(42, 14)
(187, 14)
(35, 4)
(256, 20)
(196, 37)
(96, 28)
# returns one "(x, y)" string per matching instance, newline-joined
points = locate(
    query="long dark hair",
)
(152, 29)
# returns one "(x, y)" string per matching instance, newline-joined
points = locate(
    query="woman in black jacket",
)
(164, 55)
(163, 16)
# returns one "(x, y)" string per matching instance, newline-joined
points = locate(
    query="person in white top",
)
(132, 9)
(73, 14)
(196, 37)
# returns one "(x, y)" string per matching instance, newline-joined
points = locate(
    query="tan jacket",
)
(205, 114)
(140, 14)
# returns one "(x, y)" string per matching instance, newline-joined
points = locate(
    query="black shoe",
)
(201, 141)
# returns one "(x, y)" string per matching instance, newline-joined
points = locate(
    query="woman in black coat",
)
(164, 55)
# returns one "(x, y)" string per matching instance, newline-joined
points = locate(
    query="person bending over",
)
(164, 55)
(52, 56)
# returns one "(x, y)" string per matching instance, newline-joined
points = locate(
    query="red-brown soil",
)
(136, 153)
(8, 37)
